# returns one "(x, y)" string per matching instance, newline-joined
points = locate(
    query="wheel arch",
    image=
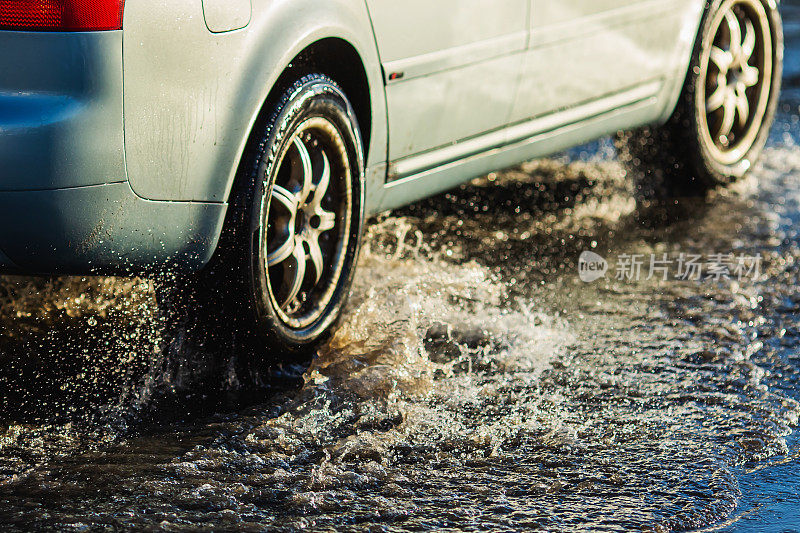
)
(345, 53)
(340, 61)
(192, 97)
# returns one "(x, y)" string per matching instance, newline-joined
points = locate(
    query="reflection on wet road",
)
(476, 383)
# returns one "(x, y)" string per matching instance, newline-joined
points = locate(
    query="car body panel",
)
(61, 121)
(419, 124)
(553, 92)
(189, 109)
(464, 54)
(581, 50)
(692, 16)
(118, 149)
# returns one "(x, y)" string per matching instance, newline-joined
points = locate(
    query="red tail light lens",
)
(61, 15)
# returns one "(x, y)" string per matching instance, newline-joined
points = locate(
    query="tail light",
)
(61, 15)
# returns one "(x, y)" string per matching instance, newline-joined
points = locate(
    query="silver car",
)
(243, 142)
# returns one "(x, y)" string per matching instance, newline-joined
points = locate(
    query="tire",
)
(284, 266)
(726, 108)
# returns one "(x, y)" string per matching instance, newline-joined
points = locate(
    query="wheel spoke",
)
(289, 202)
(286, 198)
(283, 252)
(742, 105)
(735, 34)
(294, 277)
(749, 76)
(716, 100)
(307, 170)
(729, 114)
(321, 188)
(749, 43)
(327, 221)
(315, 253)
(722, 59)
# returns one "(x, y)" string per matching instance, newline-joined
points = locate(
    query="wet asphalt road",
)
(476, 383)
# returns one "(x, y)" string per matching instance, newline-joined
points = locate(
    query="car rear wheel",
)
(284, 266)
(725, 110)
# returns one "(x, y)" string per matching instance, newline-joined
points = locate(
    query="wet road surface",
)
(477, 383)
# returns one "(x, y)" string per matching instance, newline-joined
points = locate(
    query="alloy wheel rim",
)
(308, 217)
(735, 79)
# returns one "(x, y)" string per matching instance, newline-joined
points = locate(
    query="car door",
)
(583, 50)
(451, 67)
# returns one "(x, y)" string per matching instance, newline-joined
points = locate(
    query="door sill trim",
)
(409, 167)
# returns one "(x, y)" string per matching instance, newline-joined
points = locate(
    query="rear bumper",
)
(65, 203)
(60, 110)
(104, 229)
